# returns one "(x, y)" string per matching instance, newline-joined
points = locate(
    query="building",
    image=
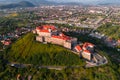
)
(87, 55)
(88, 46)
(88, 50)
(78, 48)
(50, 34)
(43, 32)
(118, 42)
(6, 42)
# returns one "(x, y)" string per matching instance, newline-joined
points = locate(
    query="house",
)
(6, 42)
(88, 50)
(118, 42)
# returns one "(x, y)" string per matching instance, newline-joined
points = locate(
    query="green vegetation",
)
(110, 30)
(16, 20)
(7, 25)
(27, 50)
(96, 73)
(111, 53)
(110, 71)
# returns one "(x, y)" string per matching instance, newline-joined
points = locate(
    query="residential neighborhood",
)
(59, 40)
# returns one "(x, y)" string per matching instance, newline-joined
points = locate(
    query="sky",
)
(82, 1)
(75, 0)
(87, 1)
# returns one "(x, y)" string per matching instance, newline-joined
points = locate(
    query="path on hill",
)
(88, 65)
(19, 65)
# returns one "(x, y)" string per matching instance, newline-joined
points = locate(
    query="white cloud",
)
(87, 1)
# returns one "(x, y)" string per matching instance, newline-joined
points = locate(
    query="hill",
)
(41, 2)
(27, 50)
(15, 5)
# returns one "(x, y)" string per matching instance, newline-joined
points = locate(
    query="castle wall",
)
(86, 56)
(48, 39)
(34, 31)
(39, 38)
(67, 45)
(57, 41)
(64, 43)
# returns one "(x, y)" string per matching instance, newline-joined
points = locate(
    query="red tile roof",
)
(78, 48)
(7, 42)
(61, 37)
(42, 30)
(61, 34)
(87, 44)
(38, 28)
(49, 27)
(119, 41)
(45, 28)
(86, 51)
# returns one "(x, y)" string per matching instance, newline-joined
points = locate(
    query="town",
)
(73, 16)
(60, 42)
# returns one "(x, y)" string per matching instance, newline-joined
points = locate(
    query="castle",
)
(50, 34)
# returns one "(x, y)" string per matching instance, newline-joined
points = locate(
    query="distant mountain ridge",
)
(63, 2)
(40, 2)
(15, 5)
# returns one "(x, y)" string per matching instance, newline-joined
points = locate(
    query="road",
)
(89, 64)
(101, 61)
(99, 24)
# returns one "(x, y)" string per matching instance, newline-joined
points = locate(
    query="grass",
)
(27, 50)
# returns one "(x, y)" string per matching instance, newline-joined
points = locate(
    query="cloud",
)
(74, 0)
(88, 1)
